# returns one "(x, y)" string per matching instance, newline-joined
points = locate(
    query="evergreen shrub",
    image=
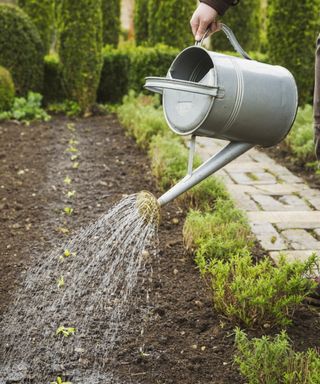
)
(81, 50)
(259, 293)
(111, 21)
(273, 361)
(21, 49)
(141, 21)
(7, 90)
(168, 22)
(244, 20)
(41, 13)
(292, 30)
(53, 89)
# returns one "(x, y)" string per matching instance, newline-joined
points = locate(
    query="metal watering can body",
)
(237, 99)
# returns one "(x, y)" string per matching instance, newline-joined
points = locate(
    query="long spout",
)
(212, 165)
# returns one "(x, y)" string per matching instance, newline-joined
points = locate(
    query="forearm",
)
(220, 6)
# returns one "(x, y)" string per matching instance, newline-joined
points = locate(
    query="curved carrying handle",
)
(158, 84)
(232, 38)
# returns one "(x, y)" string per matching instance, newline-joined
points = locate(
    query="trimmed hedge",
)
(53, 89)
(292, 31)
(21, 49)
(81, 50)
(41, 13)
(111, 21)
(244, 20)
(141, 26)
(6, 90)
(168, 22)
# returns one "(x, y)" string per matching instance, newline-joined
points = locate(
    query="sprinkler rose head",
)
(148, 207)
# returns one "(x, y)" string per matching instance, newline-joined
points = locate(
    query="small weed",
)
(74, 157)
(71, 194)
(65, 331)
(68, 211)
(69, 108)
(72, 149)
(60, 381)
(253, 176)
(67, 253)
(67, 180)
(273, 239)
(75, 165)
(71, 127)
(60, 282)
(73, 142)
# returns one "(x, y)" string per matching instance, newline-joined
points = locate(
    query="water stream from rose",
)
(86, 284)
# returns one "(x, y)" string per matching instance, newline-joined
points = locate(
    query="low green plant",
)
(301, 138)
(68, 211)
(217, 234)
(68, 107)
(71, 194)
(60, 282)
(60, 381)
(273, 361)
(256, 294)
(67, 180)
(26, 109)
(65, 331)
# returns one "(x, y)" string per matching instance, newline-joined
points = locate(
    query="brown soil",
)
(183, 340)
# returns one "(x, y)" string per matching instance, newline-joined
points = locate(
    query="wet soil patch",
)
(174, 335)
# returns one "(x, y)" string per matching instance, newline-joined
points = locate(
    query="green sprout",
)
(74, 157)
(67, 254)
(71, 194)
(60, 282)
(73, 142)
(75, 165)
(65, 331)
(71, 127)
(67, 180)
(72, 149)
(68, 211)
(60, 381)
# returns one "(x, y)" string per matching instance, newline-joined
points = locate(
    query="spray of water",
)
(72, 309)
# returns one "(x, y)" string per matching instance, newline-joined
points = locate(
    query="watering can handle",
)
(232, 38)
(158, 84)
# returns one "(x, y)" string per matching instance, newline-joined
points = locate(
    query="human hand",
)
(204, 17)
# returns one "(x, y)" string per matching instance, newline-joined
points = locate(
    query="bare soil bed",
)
(181, 340)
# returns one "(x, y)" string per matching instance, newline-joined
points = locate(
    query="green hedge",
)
(6, 90)
(111, 21)
(21, 49)
(292, 30)
(141, 21)
(41, 13)
(81, 50)
(168, 22)
(53, 89)
(244, 20)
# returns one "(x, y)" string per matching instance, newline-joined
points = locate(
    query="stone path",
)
(283, 212)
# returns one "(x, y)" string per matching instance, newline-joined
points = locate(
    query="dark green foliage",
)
(273, 361)
(114, 76)
(21, 49)
(244, 20)
(53, 89)
(41, 13)
(111, 21)
(81, 50)
(168, 22)
(141, 21)
(6, 90)
(292, 30)
(126, 69)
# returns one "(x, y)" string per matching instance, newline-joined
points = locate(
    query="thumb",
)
(201, 30)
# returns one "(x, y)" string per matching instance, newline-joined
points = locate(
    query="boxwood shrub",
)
(111, 21)
(6, 90)
(53, 89)
(21, 49)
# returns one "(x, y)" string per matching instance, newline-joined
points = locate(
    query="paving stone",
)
(268, 203)
(255, 179)
(243, 200)
(282, 189)
(292, 256)
(294, 202)
(298, 224)
(317, 231)
(268, 236)
(300, 239)
(312, 196)
(284, 217)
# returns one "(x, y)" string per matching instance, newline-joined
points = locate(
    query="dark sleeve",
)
(220, 5)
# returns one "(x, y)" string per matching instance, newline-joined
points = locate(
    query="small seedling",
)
(67, 180)
(63, 230)
(73, 142)
(60, 282)
(71, 127)
(71, 194)
(65, 331)
(75, 165)
(273, 239)
(60, 381)
(72, 149)
(74, 157)
(68, 211)
(66, 254)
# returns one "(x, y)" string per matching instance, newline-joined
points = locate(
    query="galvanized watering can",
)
(237, 99)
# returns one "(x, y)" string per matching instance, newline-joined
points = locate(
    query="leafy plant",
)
(65, 331)
(26, 109)
(60, 381)
(68, 107)
(273, 361)
(71, 194)
(67, 253)
(67, 180)
(68, 211)
(255, 294)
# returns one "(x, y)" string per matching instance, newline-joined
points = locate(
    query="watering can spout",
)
(212, 165)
